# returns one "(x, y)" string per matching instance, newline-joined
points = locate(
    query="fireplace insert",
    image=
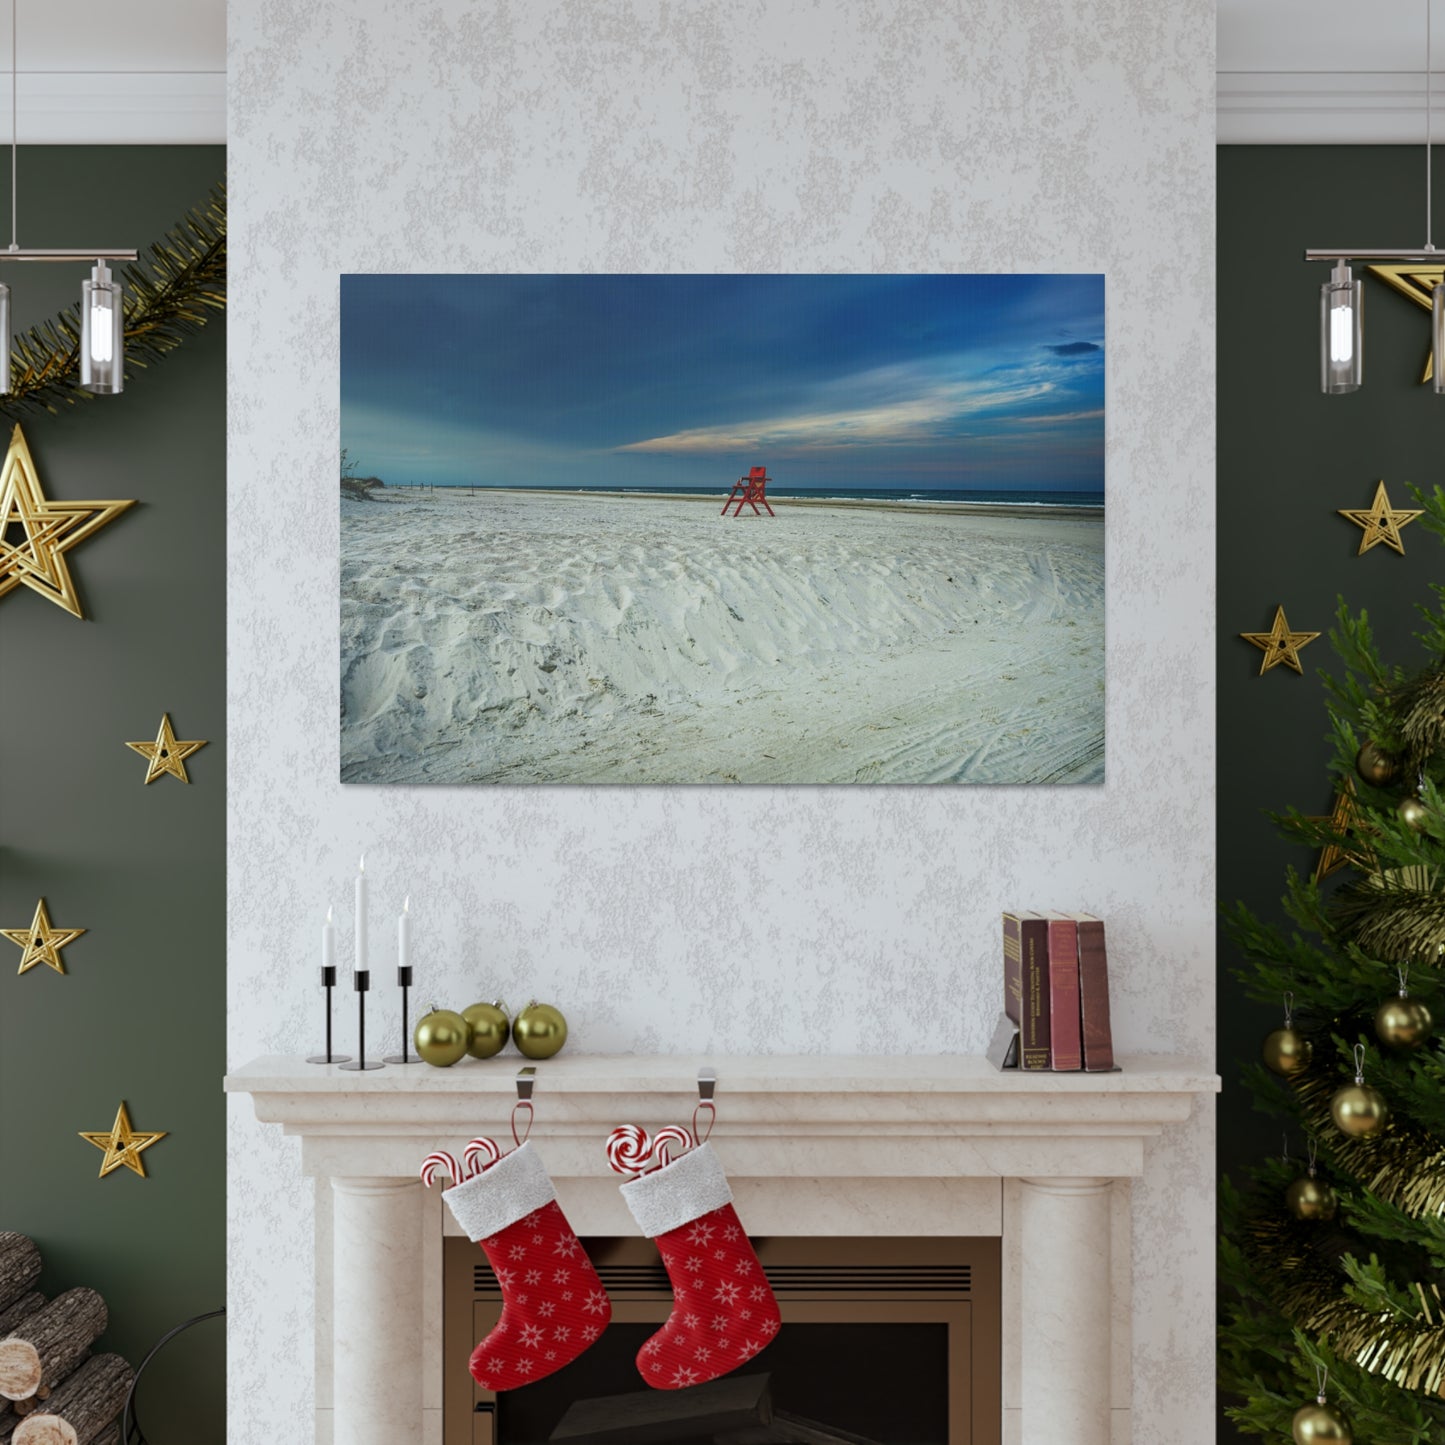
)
(884, 1342)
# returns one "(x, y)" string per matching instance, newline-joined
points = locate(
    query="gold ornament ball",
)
(1314, 1424)
(1413, 813)
(1311, 1198)
(1287, 1052)
(490, 1029)
(441, 1038)
(1359, 1111)
(1403, 1023)
(1376, 766)
(539, 1030)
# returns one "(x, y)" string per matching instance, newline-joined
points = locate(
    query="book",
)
(1065, 1041)
(1098, 1036)
(1003, 1048)
(1026, 984)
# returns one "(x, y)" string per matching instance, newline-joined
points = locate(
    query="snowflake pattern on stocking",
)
(710, 1331)
(549, 1325)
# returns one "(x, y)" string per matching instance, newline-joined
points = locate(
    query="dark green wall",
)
(1288, 457)
(140, 1014)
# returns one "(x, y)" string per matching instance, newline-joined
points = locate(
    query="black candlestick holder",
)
(403, 979)
(328, 982)
(362, 979)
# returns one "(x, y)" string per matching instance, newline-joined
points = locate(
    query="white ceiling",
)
(1327, 71)
(141, 72)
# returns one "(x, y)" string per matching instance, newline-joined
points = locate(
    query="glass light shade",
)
(4, 337)
(102, 333)
(1437, 334)
(1342, 333)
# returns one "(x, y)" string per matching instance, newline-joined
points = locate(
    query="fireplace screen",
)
(884, 1342)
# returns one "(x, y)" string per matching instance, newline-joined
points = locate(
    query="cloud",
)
(1074, 348)
(923, 418)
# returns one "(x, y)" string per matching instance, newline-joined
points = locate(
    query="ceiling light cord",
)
(14, 127)
(1429, 130)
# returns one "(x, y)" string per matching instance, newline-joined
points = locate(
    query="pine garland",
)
(170, 293)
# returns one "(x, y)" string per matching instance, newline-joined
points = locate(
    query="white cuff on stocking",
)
(510, 1190)
(677, 1194)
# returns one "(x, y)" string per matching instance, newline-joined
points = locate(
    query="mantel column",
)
(1064, 1229)
(375, 1317)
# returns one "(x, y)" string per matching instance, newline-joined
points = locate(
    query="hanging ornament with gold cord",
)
(1403, 1022)
(1310, 1197)
(1286, 1050)
(1358, 1109)
(1320, 1423)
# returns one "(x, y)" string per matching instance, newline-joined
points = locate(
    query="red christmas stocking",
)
(553, 1304)
(724, 1311)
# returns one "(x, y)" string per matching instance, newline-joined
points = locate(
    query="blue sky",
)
(686, 381)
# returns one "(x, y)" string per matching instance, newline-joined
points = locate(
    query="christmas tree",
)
(1342, 1268)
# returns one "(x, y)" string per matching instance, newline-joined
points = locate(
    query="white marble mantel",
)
(813, 1144)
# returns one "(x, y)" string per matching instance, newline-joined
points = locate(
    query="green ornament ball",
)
(539, 1030)
(441, 1038)
(490, 1028)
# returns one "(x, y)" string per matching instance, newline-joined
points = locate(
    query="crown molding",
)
(1324, 108)
(117, 108)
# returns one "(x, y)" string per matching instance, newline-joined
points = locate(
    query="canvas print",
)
(722, 529)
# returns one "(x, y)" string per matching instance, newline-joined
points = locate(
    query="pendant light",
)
(102, 309)
(1342, 297)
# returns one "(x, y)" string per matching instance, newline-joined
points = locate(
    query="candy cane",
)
(628, 1151)
(665, 1138)
(476, 1148)
(440, 1160)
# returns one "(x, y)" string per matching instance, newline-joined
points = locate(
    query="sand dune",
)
(538, 637)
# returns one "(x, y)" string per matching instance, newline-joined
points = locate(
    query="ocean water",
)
(860, 494)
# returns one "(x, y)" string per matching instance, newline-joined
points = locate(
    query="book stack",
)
(1056, 994)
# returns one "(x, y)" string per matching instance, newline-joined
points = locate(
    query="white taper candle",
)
(361, 939)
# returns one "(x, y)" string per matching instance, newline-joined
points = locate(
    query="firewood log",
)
(48, 1345)
(19, 1267)
(22, 1309)
(81, 1407)
(663, 1416)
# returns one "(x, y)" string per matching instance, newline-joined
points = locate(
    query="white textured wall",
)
(475, 135)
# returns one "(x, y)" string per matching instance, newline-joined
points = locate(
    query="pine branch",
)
(169, 295)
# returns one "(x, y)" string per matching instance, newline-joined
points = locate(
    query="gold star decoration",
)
(1280, 644)
(166, 755)
(36, 532)
(1381, 522)
(41, 943)
(122, 1144)
(1344, 820)
(1418, 283)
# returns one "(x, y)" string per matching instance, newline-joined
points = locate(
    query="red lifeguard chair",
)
(750, 490)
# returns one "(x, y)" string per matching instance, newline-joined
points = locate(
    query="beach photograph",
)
(722, 529)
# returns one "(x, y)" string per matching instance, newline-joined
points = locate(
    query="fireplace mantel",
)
(814, 1144)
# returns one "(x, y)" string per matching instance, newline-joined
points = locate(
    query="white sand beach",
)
(534, 637)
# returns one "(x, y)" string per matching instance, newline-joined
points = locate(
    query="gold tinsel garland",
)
(169, 293)
(1404, 1166)
(1307, 1290)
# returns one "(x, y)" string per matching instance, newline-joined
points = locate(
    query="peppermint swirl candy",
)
(628, 1150)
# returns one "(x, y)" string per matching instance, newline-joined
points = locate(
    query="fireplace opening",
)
(884, 1342)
